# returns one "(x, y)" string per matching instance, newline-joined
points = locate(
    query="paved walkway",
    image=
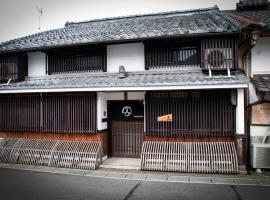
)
(258, 180)
(121, 163)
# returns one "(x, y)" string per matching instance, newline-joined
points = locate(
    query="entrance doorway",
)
(126, 128)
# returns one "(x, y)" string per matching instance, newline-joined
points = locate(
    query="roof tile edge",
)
(214, 8)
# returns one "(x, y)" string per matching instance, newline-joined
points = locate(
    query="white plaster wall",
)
(101, 110)
(131, 56)
(260, 57)
(36, 64)
(258, 130)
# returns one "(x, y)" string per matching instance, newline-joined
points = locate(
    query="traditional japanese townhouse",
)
(257, 63)
(167, 88)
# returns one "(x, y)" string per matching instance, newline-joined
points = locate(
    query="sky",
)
(19, 18)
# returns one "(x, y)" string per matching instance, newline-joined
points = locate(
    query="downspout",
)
(254, 40)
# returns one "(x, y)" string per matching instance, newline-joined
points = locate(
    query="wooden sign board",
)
(165, 118)
(261, 114)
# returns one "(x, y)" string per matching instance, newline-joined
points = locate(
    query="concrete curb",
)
(253, 180)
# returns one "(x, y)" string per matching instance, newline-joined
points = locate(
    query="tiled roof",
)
(133, 79)
(251, 4)
(261, 83)
(138, 27)
(261, 16)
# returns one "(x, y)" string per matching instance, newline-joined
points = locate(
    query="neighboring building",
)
(168, 87)
(257, 62)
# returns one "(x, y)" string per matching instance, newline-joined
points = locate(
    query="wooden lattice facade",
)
(13, 67)
(54, 113)
(205, 53)
(73, 60)
(195, 114)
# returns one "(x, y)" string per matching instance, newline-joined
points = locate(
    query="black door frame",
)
(109, 122)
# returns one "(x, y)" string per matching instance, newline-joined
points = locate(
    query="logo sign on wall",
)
(126, 110)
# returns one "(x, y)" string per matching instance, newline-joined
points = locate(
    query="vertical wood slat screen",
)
(71, 114)
(219, 53)
(173, 54)
(127, 138)
(13, 67)
(90, 60)
(49, 113)
(195, 114)
(20, 113)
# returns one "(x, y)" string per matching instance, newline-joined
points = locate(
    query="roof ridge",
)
(144, 15)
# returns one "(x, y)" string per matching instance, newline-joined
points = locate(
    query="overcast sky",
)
(20, 17)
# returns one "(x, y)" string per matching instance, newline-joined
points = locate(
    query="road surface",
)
(30, 185)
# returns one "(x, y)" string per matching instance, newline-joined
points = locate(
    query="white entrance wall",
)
(240, 112)
(36, 64)
(130, 55)
(101, 111)
(260, 59)
(103, 97)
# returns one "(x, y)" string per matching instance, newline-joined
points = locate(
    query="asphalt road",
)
(29, 185)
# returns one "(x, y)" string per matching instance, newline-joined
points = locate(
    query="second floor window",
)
(168, 54)
(76, 60)
(13, 67)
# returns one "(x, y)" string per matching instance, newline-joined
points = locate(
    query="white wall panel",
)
(36, 64)
(131, 56)
(260, 56)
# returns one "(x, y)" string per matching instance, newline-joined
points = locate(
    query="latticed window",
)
(13, 67)
(168, 54)
(65, 113)
(194, 114)
(219, 53)
(76, 60)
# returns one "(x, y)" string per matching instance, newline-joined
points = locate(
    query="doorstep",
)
(121, 163)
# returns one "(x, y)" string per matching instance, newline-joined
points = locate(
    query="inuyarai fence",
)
(67, 154)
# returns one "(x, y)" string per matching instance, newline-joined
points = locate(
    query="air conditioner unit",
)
(260, 155)
(218, 58)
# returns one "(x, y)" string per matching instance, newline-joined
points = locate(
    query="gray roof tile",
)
(136, 27)
(252, 4)
(133, 79)
(259, 15)
(261, 83)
